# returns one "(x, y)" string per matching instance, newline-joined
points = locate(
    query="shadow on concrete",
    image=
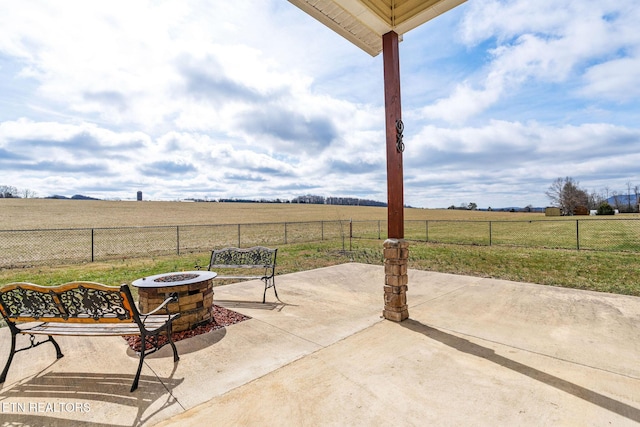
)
(110, 389)
(23, 420)
(468, 347)
(254, 305)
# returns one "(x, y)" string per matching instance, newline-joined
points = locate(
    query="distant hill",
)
(81, 197)
(623, 200)
(74, 197)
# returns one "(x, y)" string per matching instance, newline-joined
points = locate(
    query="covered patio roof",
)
(364, 22)
(377, 26)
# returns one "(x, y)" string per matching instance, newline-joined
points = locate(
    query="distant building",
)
(139, 196)
(552, 211)
(581, 210)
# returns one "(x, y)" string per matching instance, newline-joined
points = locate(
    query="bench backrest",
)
(257, 256)
(75, 301)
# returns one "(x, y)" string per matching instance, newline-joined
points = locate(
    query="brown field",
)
(27, 214)
(47, 256)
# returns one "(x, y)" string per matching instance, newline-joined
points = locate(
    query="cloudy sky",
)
(255, 99)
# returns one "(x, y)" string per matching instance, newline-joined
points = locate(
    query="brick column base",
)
(396, 254)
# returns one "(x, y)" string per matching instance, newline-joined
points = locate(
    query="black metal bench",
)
(82, 309)
(258, 258)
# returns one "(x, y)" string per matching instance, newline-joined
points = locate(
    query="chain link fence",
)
(38, 247)
(604, 234)
(20, 248)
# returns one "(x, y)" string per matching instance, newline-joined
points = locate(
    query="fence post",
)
(92, 246)
(322, 230)
(350, 233)
(426, 230)
(285, 233)
(578, 234)
(239, 235)
(379, 238)
(490, 232)
(178, 239)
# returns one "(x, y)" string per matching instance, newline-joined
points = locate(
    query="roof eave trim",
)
(372, 49)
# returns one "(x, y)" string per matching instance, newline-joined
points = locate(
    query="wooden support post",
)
(393, 113)
(396, 249)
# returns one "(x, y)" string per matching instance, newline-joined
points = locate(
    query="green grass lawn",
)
(615, 272)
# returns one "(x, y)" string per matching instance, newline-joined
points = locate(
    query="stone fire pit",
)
(195, 295)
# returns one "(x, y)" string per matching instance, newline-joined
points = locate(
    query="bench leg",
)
(13, 351)
(173, 345)
(3, 376)
(266, 286)
(175, 352)
(143, 346)
(55, 344)
(143, 353)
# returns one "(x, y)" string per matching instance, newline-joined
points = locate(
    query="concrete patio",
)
(475, 351)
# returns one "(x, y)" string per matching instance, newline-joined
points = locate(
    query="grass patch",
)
(613, 272)
(592, 270)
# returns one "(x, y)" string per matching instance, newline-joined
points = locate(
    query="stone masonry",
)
(194, 304)
(396, 255)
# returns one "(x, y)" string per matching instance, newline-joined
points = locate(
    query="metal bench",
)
(258, 258)
(82, 309)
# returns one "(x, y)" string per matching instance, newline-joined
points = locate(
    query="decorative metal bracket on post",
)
(399, 131)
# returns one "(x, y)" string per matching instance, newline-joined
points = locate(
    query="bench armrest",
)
(173, 297)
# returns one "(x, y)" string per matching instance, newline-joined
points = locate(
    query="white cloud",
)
(615, 80)
(257, 99)
(519, 159)
(545, 42)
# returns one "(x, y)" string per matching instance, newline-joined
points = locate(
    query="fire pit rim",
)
(150, 281)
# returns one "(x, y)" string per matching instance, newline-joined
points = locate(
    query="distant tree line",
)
(349, 201)
(11, 192)
(465, 207)
(241, 200)
(307, 199)
(566, 194)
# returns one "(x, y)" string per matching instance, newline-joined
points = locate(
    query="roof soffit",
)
(364, 22)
